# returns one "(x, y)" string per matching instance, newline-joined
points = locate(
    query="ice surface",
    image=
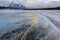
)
(27, 25)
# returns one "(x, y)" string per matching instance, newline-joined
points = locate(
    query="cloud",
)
(33, 3)
(55, 0)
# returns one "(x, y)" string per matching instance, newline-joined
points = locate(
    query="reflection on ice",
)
(26, 26)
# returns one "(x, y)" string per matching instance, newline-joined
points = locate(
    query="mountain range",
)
(52, 4)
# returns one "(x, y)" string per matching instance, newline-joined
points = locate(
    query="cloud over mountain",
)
(31, 3)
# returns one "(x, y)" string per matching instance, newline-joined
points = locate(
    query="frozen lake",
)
(13, 19)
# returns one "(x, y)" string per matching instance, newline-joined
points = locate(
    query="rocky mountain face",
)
(28, 4)
(16, 6)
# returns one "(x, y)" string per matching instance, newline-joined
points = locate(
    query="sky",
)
(36, 1)
(33, 3)
(32, 0)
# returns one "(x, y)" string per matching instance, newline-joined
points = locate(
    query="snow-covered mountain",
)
(16, 6)
(29, 4)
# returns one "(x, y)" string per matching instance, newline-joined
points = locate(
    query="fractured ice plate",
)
(26, 25)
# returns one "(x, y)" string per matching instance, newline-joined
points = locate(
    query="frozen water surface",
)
(29, 25)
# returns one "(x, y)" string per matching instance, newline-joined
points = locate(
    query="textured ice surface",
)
(27, 25)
